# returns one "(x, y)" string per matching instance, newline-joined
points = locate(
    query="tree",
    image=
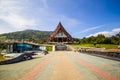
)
(84, 40)
(100, 39)
(118, 38)
(77, 40)
(107, 40)
(92, 40)
(2, 47)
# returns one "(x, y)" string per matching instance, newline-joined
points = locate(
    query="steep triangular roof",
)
(60, 27)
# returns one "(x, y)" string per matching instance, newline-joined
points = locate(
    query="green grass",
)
(49, 48)
(1, 57)
(82, 45)
(107, 46)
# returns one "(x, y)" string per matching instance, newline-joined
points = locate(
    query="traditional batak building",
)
(60, 35)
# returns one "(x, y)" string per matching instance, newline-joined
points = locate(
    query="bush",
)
(49, 48)
(1, 57)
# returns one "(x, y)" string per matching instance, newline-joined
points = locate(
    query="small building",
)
(60, 35)
(19, 47)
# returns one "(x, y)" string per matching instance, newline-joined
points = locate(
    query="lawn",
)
(107, 46)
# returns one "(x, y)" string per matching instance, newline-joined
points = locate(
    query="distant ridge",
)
(28, 34)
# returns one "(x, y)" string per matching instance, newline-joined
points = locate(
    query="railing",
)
(114, 54)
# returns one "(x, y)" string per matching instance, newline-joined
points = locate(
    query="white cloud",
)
(17, 21)
(116, 30)
(106, 33)
(10, 6)
(20, 14)
(89, 29)
(11, 13)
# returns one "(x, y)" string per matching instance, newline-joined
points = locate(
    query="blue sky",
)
(81, 18)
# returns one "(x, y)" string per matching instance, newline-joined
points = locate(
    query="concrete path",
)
(62, 65)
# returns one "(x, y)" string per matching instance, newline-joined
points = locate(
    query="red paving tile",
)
(65, 70)
(32, 73)
(98, 71)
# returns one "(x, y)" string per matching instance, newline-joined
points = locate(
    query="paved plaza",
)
(62, 65)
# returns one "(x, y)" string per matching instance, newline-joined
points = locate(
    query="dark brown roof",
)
(60, 27)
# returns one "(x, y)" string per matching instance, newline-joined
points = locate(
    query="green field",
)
(107, 46)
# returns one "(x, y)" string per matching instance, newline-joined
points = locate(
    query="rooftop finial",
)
(59, 22)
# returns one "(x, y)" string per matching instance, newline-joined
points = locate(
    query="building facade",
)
(60, 35)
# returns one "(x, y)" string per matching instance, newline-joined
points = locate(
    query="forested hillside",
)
(29, 35)
(40, 36)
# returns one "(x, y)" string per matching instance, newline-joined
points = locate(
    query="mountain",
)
(29, 35)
